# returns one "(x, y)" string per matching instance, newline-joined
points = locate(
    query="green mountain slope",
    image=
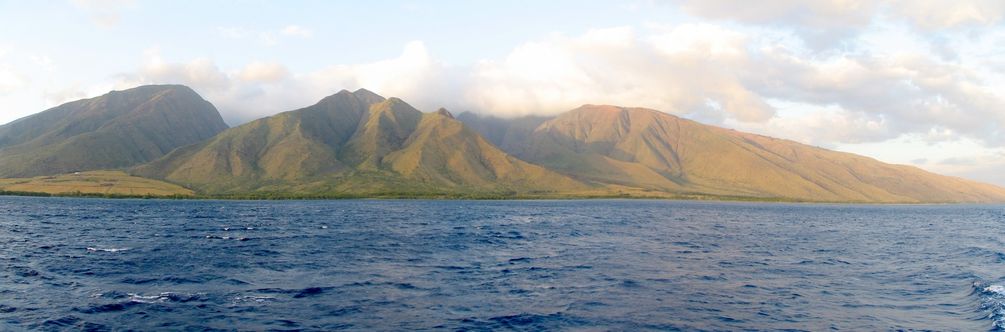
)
(361, 144)
(354, 143)
(647, 149)
(116, 130)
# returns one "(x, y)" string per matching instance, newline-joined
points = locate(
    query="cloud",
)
(297, 31)
(263, 72)
(200, 72)
(233, 32)
(683, 69)
(827, 24)
(10, 80)
(43, 62)
(706, 72)
(263, 88)
(825, 126)
(60, 96)
(912, 94)
(266, 38)
(941, 14)
(104, 13)
(986, 166)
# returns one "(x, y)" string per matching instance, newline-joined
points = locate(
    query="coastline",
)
(462, 197)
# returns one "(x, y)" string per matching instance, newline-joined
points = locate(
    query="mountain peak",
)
(444, 112)
(344, 97)
(368, 96)
(155, 87)
(118, 129)
(340, 94)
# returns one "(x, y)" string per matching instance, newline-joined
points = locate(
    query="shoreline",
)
(462, 197)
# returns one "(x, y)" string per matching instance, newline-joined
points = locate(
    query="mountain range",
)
(359, 144)
(354, 143)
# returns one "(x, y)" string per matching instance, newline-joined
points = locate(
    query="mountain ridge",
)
(648, 148)
(354, 142)
(115, 130)
(360, 144)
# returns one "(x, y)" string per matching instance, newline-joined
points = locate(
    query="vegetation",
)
(116, 130)
(653, 150)
(360, 145)
(354, 144)
(111, 184)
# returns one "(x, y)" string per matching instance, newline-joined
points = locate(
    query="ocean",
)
(101, 265)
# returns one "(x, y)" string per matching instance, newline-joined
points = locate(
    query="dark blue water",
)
(91, 264)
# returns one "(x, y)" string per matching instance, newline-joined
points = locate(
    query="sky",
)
(917, 82)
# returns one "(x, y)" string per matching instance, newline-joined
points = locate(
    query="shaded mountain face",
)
(353, 143)
(116, 130)
(509, 134)
(647, 149)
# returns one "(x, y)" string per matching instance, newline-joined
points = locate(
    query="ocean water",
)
(94, 264)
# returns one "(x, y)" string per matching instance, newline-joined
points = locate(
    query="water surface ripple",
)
(93, 264)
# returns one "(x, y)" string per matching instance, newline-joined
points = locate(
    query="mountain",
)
(654, 151)
(359, 144)
(117, 130)
(354, 143)
(508, 134)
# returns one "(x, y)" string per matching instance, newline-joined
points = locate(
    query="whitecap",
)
(993, 302)
(163, 297)
(257, 299)
(147, 299)
(93, 249)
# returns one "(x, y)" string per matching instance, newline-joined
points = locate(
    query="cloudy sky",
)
(918, 82)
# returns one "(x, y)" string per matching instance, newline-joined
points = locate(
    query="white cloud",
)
(827, 24)
(940, 14)
(830, 14)
(263, 72)
(706, 72)
(44, 62)
(233, 32)
(668, 69)
(963, 157)
(69, 93)
(266, 38)
(262, 88)
(824, 126)
(297, 31)
(10, 80)
(104, 13)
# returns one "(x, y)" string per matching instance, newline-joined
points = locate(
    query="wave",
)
(993, 303)
(227, 238)
(95, 249)
(164, 297)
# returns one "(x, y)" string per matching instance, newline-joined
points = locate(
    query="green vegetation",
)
(116, 130)
(360, 145)
(354, 144)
